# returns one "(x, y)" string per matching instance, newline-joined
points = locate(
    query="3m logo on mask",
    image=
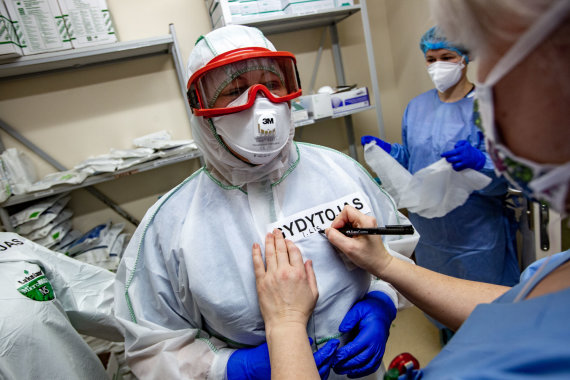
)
(266, 126)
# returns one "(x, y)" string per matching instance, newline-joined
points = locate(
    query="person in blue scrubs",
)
(502, 333)
(475, 241)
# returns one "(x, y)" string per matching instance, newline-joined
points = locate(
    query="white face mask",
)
(445, 74)
(543, 182)
(258, 133)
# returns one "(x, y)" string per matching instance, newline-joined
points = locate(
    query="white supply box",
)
(350, 100)
(224, 12)
(39, 25)
(317, 105)
(298, 112)
(268, 7)
(88, 22)
(308, 7)
(343, 3)
(9, 43)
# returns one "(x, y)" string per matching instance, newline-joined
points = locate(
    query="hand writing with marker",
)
(366, 251)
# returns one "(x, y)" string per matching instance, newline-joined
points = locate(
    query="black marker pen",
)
(386, 230)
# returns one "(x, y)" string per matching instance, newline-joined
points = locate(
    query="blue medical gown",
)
(477, 240)
(529, 339)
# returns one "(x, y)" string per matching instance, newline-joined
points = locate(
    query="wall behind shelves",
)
(76, 114)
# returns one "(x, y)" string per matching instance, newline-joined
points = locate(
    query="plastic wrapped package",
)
(71, 177)
(20, 170)
(432, 191)
(34, 211)
(5, 187)
(159, 140)
(44, 218)
(56, 234)
(96, 246)
(45, 230)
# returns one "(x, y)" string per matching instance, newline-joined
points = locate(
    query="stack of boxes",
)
(9, 42)
(224, 12)
(341, 102)
(39, 26)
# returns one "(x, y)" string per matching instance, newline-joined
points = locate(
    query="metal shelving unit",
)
(100, 178)
(343, 114)
(282, 24)
(78, 58)
(330, 18)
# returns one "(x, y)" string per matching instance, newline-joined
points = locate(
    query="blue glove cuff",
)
(249, 364)
(381, 143)
(386, 301)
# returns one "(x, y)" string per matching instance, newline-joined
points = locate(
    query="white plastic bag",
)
(44, 217)
(34, 211)
(45, 230)
(159, 140)
(58, 178)
(20, 169)
(5, 188)
(431, 192)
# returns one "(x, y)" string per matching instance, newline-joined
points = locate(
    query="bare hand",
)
(366, 251)
(287, 290)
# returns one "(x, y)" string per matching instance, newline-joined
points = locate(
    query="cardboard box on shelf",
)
(298, 112)
(226, 12)
(308, 7)
(350, 100)
(269, 6)
(9, 43)
(39, 25)
(88, 22)
(343, 3)
(317, 105)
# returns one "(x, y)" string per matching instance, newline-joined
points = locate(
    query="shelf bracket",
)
(341, 81)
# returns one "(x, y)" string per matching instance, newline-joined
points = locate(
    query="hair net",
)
(219, 160)
(434, 39)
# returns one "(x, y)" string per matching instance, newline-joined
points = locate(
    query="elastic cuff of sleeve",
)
(219, 366)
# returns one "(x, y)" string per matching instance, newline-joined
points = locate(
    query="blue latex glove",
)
(381, 143)
(253, 363)
(249, 364)
(324, 357)
(465, 156)
(370, 320)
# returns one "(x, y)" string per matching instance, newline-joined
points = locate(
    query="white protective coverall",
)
(185, 288)
(46, 299)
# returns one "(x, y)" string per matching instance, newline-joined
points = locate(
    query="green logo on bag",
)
(36, 286)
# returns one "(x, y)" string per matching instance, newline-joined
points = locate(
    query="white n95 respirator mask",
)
(445, 74)
(258, 133)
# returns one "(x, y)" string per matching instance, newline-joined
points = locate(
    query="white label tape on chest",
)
(310, 221)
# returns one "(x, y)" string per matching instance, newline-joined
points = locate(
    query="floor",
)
(412, 332)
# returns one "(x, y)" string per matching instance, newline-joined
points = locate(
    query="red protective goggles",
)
(217, 88)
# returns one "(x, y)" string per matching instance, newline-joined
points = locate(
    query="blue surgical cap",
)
(434, 39)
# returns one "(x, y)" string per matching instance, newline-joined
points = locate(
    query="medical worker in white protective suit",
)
(47, 299)
(186, 285)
